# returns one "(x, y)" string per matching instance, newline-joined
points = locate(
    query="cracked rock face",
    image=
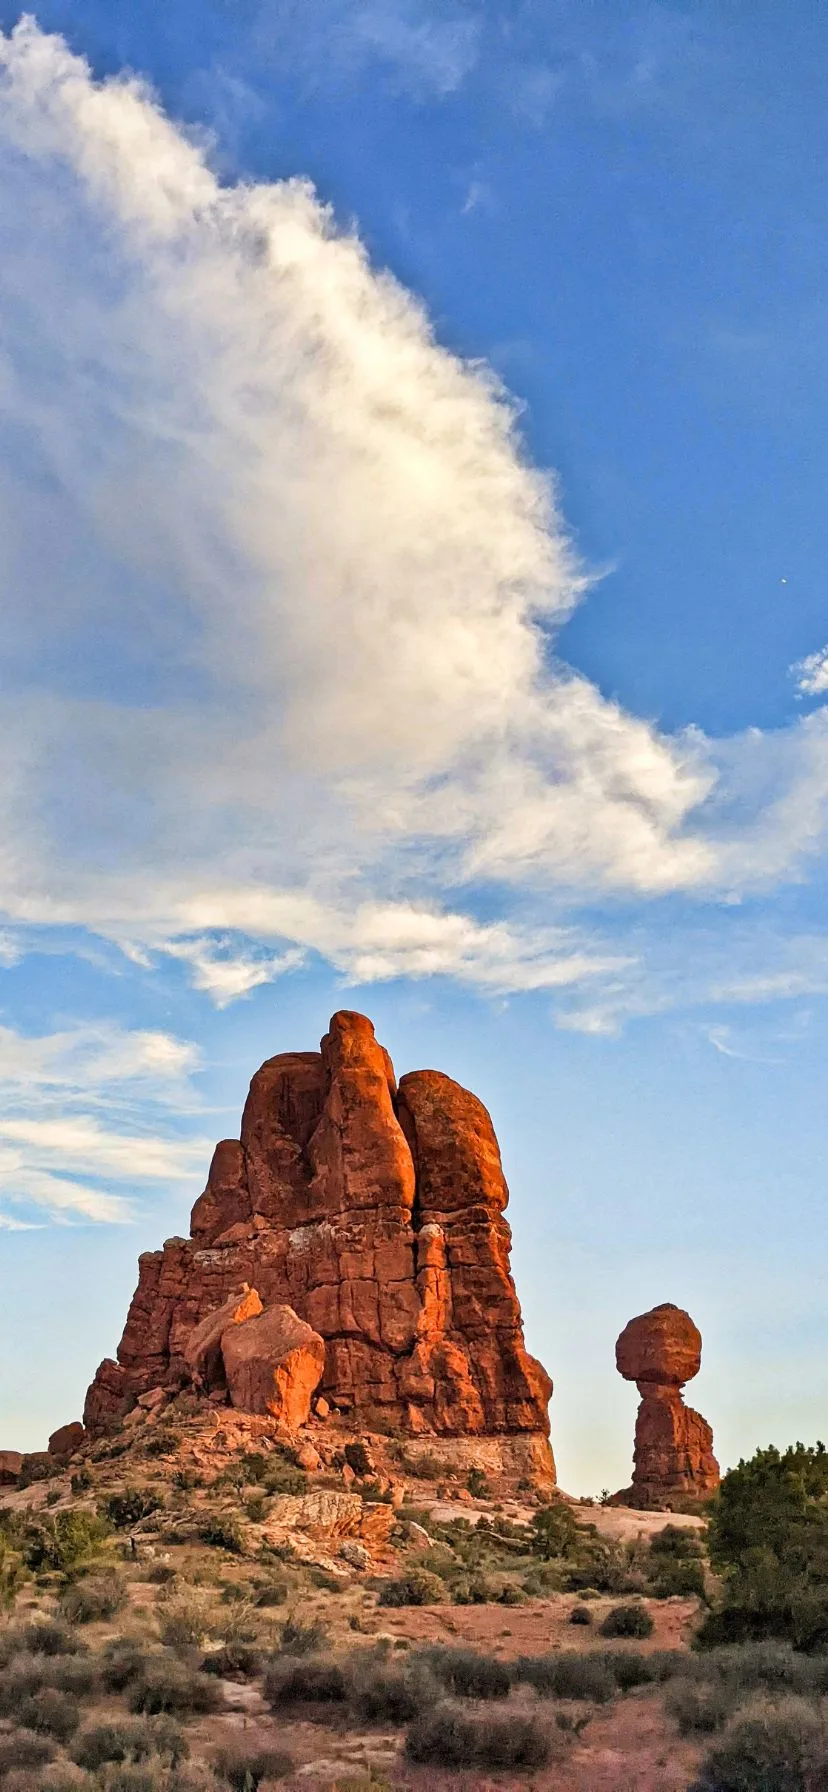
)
(673, 1456)
(377, 1215)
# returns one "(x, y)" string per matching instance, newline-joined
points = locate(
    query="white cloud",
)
(316, 579)
(812, 674)
(88, 1108)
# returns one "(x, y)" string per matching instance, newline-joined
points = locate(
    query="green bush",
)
(223, 1530)
(773, 1748)
(244, 1767)
(103, 1743)
(61, 1542)
(768, 1538)
(678, 1578)
(466, 1672)
(93, 1598)
(478, 1485)
(416, 1587)
(580, 1614)
(128, 1507)
(627, 1620)
(271, 1592)
(318, 1682)
(568, 1675)
(554, 1531)
(450, 1737)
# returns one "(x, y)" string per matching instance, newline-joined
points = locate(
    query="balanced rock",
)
(274, 1363)
(673, 1456)
(377, 1216)
(203, 1351)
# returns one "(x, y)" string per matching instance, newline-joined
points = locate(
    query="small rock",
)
(321, 1408)
(348, 1475)
(67, 1439)
(153, 1399)
(355, 1554)
(308, 1458)
(419, 1534)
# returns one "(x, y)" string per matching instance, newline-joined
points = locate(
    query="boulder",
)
(67, 1439)
(11, 1462)
(273, 1364)
(203, 1352)
(673, 1456)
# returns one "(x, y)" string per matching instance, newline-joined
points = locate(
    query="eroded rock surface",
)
(274, 1363)
(673, 1456)
(67, 1439)
(377, 1215)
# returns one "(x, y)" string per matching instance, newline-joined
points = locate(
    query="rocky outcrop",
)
(67, 1439)
(673, 1457)
(11, 1462)
(377, 1215)
(274, 1363)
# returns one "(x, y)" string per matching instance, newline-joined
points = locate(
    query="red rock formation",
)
(378, 1217)
(673, 1455)
(67, 1439)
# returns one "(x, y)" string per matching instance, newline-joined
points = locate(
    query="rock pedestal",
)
(377, 1215)
(673, 1457)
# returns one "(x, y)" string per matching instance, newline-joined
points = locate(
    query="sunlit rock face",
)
(376, 1214)
(673, 1457)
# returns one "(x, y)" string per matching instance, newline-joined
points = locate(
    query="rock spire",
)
(376, 1214)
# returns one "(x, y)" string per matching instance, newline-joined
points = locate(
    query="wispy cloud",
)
(329, 716)
(90, 1115)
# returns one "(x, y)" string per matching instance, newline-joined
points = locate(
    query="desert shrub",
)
(163, 1442)
(467, 1673)
(123, 1661)
(677, 1542)
(772, 1748)
(131, 1778)
(234, 1661)
(317, 1682)
(161, 1574)
(358, 1457)
(103, 1743)
(51, 1713)
(12, 1574)
(24, 1752)
(554, 1531)
(478, 1485)
(186, 1619)
(580, 1614)
(511, 1594)
(569, 1675)
(418, 1586)
(631, 1667)
(95, 1597)
(222, 1530)
(699, 1706)
(63, 1541)
(81, 1479)
(385, 1694)
(296, 1638)
(627, 1620)
(49, 1636)
(450, 1737)
(282, 1476)
(677, 1577)
(243, 1768)
(271, 1592)
(767, 1666)
(128, 1507)
(474, 1589)
(170, 1686)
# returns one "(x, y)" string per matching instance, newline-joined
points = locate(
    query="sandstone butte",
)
(351, 1244)
(673, 1458)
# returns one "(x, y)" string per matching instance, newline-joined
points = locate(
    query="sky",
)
(412, 560)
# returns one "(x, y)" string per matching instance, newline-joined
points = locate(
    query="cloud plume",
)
(282, 590)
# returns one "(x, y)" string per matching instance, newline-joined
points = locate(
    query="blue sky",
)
(332, 675)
